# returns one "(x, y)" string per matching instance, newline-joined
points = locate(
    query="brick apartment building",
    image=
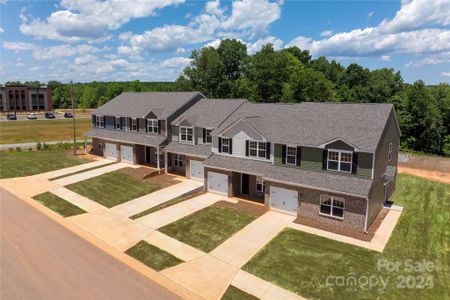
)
(20, 98)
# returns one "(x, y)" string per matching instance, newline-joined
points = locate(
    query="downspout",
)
(367, 215)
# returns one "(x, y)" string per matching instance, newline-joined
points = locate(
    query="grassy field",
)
(207, 228)
(152, 256)
(30, 131)
(59, 205)
(233, 293)
(25, 163)
(112, 188)
(303, 263)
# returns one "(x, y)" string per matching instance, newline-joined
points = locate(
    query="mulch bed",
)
(345, 231)
(161, 181)
(250, 208)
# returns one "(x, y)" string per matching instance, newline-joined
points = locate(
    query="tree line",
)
(290, 75)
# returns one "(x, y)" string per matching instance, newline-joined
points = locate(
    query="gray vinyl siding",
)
(339, 145)
(162, 128)
(175, 130)
(198, 135)
(141, 124)
(311, 158)
(215, 144)
(364, 167)
(109, 122)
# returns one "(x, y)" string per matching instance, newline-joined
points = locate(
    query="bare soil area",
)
(160, 181)
(428, 167)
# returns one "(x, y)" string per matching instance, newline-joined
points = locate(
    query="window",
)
(177, 161)
(152, 125)
(186, 134)
(100, 146)
(100, 121)
(257, 149)
(208, 137)
(390, 152)
(118, 123)
(134, 126)
(332, 206)
(340, 160)
(291, 155)
(225, 145)
(259, 184)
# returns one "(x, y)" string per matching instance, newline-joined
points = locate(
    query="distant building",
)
(20, 98)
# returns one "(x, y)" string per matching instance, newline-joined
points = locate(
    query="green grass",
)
(152, 256)
(302, 262)
(233, 293)
(29, 131)
(59, 205)
(167, 204)
(207, 228)
(112, 188)
(26, 163)
(82, 171)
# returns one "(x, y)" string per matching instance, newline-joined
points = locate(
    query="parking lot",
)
(39, 116)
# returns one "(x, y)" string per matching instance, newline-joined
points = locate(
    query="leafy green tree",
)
(332, 70)
(302, 55)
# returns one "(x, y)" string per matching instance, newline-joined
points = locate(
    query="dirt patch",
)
(250, 208)
(431, 175)
(161, 181)
(426, 162)
(345, 231)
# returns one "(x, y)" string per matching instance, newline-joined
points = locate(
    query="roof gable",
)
(240, 126)
(339, 143)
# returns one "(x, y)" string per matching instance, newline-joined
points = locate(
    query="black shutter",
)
(246, 147)
(220, 144)
(121, 123)
(324, 159)
(146, 125)
(230, 147)
(159, 126)
(299, 155)
(137, 124)
(283, 154)
(129, 124)
(204, 135)
(355, 163)
(93, 121)
(268, 150)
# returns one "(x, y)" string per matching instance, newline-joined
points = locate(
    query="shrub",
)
(38, 146)
(45, 146)
(30, 149)
(18, 149)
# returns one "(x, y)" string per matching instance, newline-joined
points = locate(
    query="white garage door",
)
(284, 199)
(111, 151)
(126, 154)
(218, 183)
(196, 167)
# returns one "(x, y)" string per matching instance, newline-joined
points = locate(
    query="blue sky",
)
(149, 40)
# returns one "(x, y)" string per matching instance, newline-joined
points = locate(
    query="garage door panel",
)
(218, 183)
(284, 199)
(197, 170)
(111, 151)
(126, 154)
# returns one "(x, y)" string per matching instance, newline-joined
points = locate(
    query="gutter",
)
(367, 216)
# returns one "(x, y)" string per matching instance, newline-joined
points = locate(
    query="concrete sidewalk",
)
(78, 200)
(78, 168)
(175, 212)
(140, 204)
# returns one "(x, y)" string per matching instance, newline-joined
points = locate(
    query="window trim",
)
(227, 145)
(261, 183)
(100, 121)
(118, 123)
(186, 134)
(339, 160)
(331, 206)
(390, 152)
(208, 136)
(177, 161)
(257, 149)
(151, 124)
(287, 155)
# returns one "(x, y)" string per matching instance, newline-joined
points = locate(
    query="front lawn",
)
(152, 256)
(112, 188)
(208, 228)
(59, 205)
(305, 263)
(30, 131)
(26, 163)
(233, 293)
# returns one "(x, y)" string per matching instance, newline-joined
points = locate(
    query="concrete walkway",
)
(78, 200)
(173, 246)
(78, 168)
(260, 288)
(33, 145)
(93, 173)
(242, 246)
(140, 204)
(175, 212)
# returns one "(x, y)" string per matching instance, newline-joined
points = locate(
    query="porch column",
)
(166, 163)
(157, 160)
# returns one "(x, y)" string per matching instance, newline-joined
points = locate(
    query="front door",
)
(147, 154)
(245, 184)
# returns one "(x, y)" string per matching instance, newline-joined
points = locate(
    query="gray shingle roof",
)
(127, 136)
(186, 149)
(209, 113)
(138, 104)
(314, 124)
(316, 179)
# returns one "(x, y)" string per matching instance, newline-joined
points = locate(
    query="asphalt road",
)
(39, 117)
(40, 259)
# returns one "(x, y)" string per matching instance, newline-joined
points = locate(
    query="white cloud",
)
(90, 19)
(370, 15)
(326, 33)
(256, 46)
(433, 59)
(18, 46)
(385, 58)
(176, 62)
(446, 74)
(389, 37)
(215, 44)
(213, 8)
(180, 50)
(2, 30)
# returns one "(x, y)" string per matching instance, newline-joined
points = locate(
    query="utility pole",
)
(73, 120)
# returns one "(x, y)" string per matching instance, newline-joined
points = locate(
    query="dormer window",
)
(152, 126)
(118, 123)
(340, 160)
(225, 147)
(100, 121)
(291, 156)
(186, 134)
(257, 149)
(134, 126)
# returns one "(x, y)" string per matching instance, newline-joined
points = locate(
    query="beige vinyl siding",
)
(364, 167)
(311, 158)
(277, 154)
